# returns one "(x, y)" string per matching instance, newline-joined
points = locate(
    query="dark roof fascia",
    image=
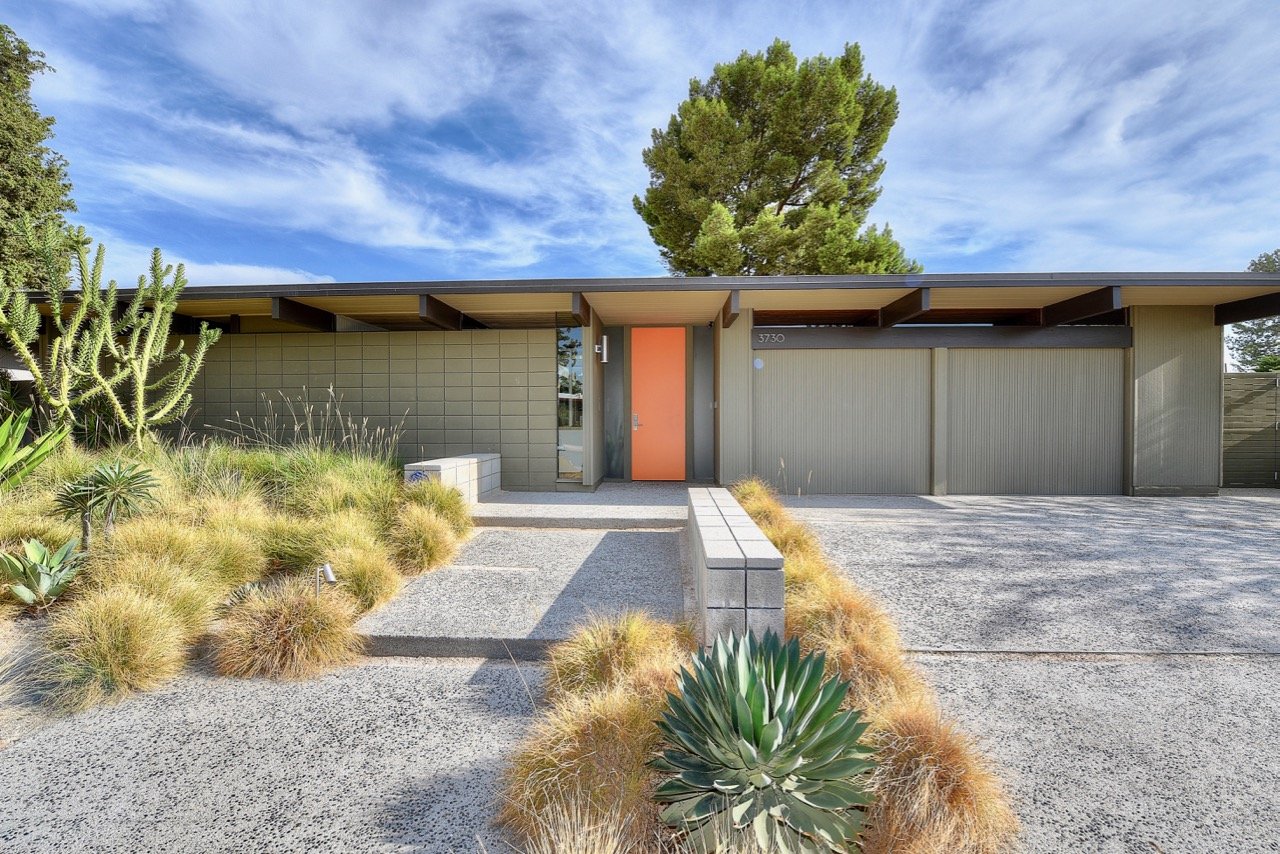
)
(723, 283)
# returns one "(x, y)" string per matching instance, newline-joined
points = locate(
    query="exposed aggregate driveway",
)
(1118, 656)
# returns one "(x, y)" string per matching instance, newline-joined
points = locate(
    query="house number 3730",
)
(770, 337)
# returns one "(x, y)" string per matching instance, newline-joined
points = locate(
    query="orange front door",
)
(657, 403)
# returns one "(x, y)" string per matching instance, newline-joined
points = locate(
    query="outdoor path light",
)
(324, 573)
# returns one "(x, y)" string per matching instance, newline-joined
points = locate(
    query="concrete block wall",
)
(481, 391)
(738, 578)
(476, 476)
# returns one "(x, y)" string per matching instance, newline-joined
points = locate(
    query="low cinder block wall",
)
(474, 475)
(737, 571)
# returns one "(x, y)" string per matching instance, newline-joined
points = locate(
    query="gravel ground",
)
(1150, 751)
(518, 583)
(387, 755)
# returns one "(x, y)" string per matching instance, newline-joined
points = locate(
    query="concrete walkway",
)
(612, 505)
(513, 591)
(389, 755)
(1143, 718)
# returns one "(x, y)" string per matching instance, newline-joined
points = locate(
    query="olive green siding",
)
(452, 392)
(1035, 422)
(1251, 430)
(733, 395)
(842, 420)
(1177, 399)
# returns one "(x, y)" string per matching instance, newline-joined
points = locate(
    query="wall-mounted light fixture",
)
(325, 573)
(602, 349)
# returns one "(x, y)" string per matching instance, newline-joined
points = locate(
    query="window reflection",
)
(569, 370)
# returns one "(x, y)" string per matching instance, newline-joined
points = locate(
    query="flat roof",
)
(1270, 281)
(945, 298)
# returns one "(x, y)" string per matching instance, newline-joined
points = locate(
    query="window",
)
(569, 372)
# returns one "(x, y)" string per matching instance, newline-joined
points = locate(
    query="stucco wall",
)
(1177, 399)
(453, 392)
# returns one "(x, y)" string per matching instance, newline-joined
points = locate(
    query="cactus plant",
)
(758, 745)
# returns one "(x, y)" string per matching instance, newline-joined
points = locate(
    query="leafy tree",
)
(33, 177)
(1255, 344)
(771, 167)
(100, 350)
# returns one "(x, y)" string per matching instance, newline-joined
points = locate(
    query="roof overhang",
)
(1034, 299)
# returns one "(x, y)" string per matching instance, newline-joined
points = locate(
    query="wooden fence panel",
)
(1251, 430)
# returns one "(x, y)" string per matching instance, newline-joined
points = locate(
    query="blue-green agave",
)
(757, 744)
(38, 575)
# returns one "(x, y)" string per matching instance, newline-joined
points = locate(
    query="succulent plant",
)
(38, 576)
(113, 488)
(758, 744)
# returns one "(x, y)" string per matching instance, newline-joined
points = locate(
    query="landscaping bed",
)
(219, 544)
(587, 769)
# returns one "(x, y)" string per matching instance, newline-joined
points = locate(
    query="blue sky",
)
(313, 139)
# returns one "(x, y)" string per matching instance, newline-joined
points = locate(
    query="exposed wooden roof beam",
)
(903, 309)
(581, 309)
(1083, 307)
(732, 309)
(300, 314)
(1254, 308)
(438, 314)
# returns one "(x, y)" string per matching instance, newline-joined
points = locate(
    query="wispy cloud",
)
(503, 137)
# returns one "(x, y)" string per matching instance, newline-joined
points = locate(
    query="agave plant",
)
(112, 488)
(758, 743)
(38, 576)
(18, 461)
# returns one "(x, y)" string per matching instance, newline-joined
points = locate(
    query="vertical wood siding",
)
(1177, 398)
(831, 421)
(1035, 422)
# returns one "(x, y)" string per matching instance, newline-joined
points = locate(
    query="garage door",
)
(1035, 422)
(835, 421)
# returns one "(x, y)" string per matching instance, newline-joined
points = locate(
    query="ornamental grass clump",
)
(421, 540)
(610, 649)
(286, 631)
(936, 791)
(590, 749)
(756, 738)
(112, 642)
(447, 501)
(366, 574)
(191, 600)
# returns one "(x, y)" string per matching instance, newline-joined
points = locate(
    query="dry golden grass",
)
(191, 599)
(366, 574)
(110, 643)
(569, 827)
(793, 539)
(20, 522)
(286, 631)
(609, 649)
(448, 502)
(760, 500)
(293, 543)
(936, 792)
(591, 748)
(421, 540)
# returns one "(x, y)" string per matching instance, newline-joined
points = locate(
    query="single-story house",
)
(1011, 383)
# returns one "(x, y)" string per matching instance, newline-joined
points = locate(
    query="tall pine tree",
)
(1255, 344)
(771, 167)
(33, 177)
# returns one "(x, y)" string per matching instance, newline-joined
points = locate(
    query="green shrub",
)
(366, 574)
(294, 544)
(447, 501)
(110, 643)
(285, 630)
(421, 540)
(38, 576)
(756, 735)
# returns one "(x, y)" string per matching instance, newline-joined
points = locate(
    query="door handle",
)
(635, 421)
